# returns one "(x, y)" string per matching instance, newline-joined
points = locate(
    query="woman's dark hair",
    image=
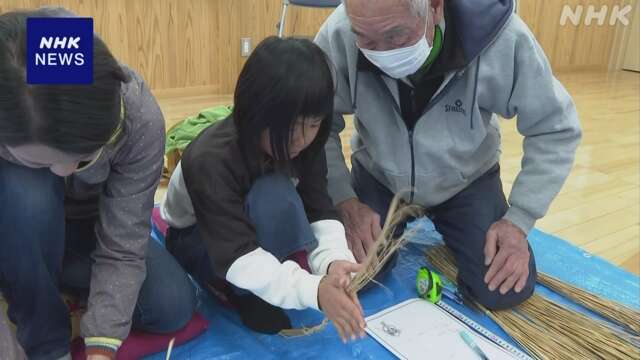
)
(284, 80)
(77, 119)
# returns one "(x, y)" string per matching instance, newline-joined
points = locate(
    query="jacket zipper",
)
(475, 92)
(432, 102)
(413, 167)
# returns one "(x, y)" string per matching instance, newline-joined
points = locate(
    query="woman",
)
(251, 190)
(79, 166)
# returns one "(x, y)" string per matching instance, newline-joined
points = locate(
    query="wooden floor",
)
(599, 207)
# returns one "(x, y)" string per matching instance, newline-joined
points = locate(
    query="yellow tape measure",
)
(429, 285)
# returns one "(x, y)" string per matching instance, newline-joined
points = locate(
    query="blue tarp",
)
(227, 338)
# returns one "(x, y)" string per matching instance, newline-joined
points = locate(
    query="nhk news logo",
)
(59, 50)
(615, 15)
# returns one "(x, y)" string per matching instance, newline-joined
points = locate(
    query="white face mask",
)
(401, 62)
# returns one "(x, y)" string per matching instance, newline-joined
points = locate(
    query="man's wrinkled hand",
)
(362, 227)
(507, 254)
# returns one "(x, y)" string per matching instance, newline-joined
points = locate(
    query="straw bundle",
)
(546, 329)
(385, 246)
(619, 314)
(549, 330)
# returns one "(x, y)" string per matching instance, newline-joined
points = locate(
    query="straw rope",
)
(385, 246)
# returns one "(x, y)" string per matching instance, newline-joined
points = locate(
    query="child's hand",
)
(342, 309)
(343, 267)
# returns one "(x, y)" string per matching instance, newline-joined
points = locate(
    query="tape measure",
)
(429, 285)
(519, 354)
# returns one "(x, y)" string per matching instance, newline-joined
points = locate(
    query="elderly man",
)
(426, 80)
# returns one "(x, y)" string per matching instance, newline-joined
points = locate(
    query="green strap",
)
(438, 40)
(437, 47)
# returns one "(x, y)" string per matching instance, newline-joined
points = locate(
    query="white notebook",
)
(418, 329)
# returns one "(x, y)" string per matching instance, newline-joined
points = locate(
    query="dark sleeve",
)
(218, 204)
(313, 189)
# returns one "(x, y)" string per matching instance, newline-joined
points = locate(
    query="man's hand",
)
(97, 357)
(362, 226)
(343, 268)
(342, 309)
(507, 251)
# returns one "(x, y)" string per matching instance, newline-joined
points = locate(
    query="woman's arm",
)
(123, 227)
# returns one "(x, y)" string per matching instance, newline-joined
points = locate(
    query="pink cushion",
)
(140, 344)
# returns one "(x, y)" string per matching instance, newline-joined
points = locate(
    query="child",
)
(79, 166)
(252, 190)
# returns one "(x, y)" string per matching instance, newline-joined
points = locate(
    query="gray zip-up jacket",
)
(118, 188)
(457, 138)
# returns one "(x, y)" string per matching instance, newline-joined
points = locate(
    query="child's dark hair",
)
(283, 80)
(77, 119)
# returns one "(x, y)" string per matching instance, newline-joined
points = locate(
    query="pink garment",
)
(157, 220)
(140, 344)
